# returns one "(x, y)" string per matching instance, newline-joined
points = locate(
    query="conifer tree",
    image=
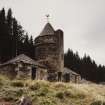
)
(3, 36)
(26, 45)
(32, 48)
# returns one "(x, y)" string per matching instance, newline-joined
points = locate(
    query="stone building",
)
(23, 66)
(70, 76)
(49, 51)
(49, 63)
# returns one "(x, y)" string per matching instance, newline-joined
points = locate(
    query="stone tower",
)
(49, 50)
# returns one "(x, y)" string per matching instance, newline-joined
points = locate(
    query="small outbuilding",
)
(23, 66)
(70, 76)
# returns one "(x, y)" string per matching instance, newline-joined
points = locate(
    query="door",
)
(33, 73)
(67, 77)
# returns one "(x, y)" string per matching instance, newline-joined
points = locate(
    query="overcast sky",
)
(83, 22)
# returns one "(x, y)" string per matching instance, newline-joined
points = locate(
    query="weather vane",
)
(47, 16)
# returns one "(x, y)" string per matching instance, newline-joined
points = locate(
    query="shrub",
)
(60, 95)
(19, 92)
(80, 95)
(68, 93)
(17, 84)
(43, 91)
(34, 86)
(74, 94)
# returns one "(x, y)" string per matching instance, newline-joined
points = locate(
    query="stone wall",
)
(8, 70)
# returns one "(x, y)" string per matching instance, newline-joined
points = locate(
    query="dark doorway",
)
(59, 76)
(33, 73)
(67, 77)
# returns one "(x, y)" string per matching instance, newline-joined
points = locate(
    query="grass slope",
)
(46, 93)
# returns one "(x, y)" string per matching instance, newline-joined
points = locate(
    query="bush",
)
(68, 93)
(17, 84)
(74, 94)
(43, 91)
(34, 86)
(60, 95)
(19, 92)
(80, 95)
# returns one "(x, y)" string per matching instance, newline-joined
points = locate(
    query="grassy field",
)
(46, 93)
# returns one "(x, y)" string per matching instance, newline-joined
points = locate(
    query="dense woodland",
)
(14, 40)
(85, 66)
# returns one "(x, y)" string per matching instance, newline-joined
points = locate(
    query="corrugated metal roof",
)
(48, 30)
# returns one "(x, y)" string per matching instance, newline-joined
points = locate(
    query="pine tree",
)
(14, 38)
(2, 23)
(9, 33)
(32, 48)
(26, 45)
(18, 38)
(3, 36)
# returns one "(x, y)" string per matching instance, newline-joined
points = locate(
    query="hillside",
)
(46, 93)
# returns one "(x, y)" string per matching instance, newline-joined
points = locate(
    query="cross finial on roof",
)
(47, 16)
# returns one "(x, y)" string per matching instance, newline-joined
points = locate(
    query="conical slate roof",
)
(48, 30)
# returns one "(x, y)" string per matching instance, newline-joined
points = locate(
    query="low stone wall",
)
(8, 71)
